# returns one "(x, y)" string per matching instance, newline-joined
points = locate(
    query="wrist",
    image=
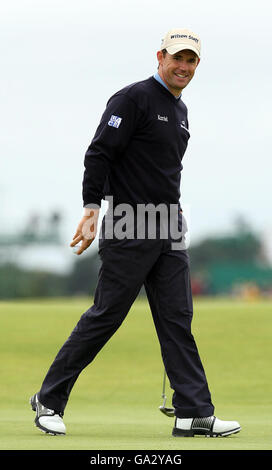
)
(89, 211)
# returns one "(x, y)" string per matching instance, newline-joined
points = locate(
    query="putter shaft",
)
(167, 411)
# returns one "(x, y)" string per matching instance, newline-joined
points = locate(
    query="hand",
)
(86, 231)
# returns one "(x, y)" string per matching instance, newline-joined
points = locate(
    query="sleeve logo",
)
(114, 121)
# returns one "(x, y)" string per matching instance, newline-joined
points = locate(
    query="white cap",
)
(179, 39)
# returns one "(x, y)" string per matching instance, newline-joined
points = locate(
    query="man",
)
(135, 158)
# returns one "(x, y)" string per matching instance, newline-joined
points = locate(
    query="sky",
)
(62, 60)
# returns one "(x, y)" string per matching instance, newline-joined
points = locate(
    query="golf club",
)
(167, 411)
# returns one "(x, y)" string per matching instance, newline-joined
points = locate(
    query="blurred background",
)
(60, 63)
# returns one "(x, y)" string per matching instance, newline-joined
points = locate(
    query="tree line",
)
(218, 266)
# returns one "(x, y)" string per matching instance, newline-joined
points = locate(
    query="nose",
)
(183, 66)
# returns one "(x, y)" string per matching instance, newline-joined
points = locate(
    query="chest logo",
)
(114, 121)
(162, 118)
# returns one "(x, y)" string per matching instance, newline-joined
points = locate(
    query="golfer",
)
(135, 159)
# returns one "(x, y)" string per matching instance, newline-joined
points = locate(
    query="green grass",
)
(114, 403)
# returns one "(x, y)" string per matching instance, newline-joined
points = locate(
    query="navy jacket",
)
(137, 150)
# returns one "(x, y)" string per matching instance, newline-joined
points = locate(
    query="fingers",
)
(76, 239)
(84, 245)
(86, 242)
(86, 232)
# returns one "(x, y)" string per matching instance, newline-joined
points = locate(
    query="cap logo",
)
(179, 36)
(174, 36)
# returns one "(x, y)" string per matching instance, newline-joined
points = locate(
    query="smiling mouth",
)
(179, 75)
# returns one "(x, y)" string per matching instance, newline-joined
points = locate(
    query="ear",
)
(159, 56)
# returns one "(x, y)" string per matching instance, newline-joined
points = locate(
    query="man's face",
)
(177, 70)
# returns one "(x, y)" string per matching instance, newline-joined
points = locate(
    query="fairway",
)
(114, 404)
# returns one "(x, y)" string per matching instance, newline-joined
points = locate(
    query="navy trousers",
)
(127, 265)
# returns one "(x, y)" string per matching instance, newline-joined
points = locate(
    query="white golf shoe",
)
(210, 427)
(47, 420)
